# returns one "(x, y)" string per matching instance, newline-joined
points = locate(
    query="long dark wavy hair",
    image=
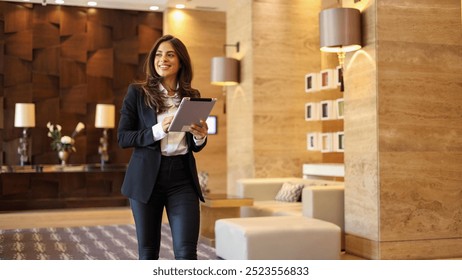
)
(150, 85)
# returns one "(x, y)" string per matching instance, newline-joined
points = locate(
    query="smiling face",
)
(166, 62)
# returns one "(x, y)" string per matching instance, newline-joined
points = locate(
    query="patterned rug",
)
(115, 242)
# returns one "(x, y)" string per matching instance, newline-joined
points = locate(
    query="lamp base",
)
(24, 148)
(103, 148)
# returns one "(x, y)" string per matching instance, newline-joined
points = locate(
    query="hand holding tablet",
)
(199, 130)
(191, 111)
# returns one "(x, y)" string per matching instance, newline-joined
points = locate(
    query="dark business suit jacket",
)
(135, 131)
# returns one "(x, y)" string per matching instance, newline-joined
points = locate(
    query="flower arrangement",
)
(60, 142)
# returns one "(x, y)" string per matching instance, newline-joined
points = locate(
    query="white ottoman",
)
(277, 238)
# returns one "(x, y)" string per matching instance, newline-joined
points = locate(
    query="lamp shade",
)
(24, 115)
(105, 116)
(340, 30)
(224, 71)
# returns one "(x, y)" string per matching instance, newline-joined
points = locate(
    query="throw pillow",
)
(290, 192)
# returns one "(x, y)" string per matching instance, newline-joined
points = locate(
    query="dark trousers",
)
(174, 191)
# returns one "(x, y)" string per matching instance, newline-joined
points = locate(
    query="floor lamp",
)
(24, 117)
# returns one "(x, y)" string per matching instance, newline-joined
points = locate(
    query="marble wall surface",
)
(361, 140)
(403, 147)
(267, 130)
(239, 99)
(402, 116)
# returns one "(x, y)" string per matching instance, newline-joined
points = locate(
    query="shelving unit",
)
(324, 113)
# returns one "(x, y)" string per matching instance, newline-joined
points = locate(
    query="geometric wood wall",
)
(66, 60)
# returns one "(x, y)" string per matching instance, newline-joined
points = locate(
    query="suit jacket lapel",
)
(149, 115)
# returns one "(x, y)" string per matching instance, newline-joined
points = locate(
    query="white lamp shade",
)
(224, 71)
(24, 115)
(105, 116)
(340, 30)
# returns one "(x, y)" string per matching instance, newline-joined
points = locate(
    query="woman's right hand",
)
(166, 123)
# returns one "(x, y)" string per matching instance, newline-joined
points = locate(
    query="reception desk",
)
(58, 187)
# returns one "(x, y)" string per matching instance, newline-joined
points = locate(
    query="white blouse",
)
(172, 143)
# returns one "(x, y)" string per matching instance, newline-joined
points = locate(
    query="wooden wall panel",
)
(99, 36)
(125, 26)
(18, 71)
(153, 20)
(46, 61)
(104, 17)
(71, 47)
(45, 35)
(21, 92)
(146, 32)
(19, 44)
(100, 63)
(123, 50)
(46, 14)
(66, 60)
(17, 17)
(1, 120)
(99, 89)
(124, 73)
(71, 73)
(45, 86)
(72, 21)
(73, 99)
(2, 58)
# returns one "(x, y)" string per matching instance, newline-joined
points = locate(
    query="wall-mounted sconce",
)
(24, 116)
(104, 118)
(225, 70)
(340, 32)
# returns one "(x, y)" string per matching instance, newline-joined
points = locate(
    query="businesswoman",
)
(162, 170)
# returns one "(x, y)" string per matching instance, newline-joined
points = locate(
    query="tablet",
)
(191, 110)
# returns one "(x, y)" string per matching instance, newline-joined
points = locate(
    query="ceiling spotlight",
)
(154, 8)
(92, 3)
(180, 6)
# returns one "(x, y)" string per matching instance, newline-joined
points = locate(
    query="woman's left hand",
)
(199, 130)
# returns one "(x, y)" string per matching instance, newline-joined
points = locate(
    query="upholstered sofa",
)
(272, 229)
(264, 192)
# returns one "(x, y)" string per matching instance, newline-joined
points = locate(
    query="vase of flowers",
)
(63, 144)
